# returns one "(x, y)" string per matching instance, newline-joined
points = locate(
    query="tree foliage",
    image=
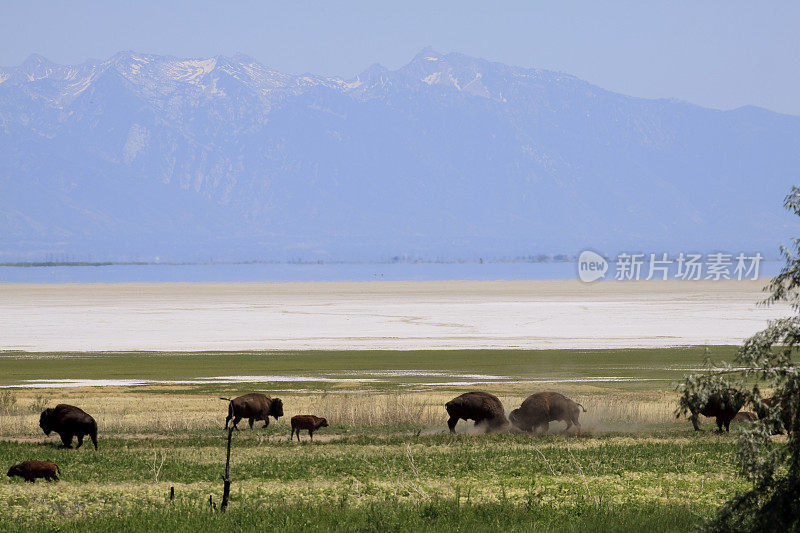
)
(767, 359)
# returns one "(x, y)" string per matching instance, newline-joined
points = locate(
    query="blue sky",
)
(717, 54)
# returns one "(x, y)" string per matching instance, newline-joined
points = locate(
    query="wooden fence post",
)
(226, 482)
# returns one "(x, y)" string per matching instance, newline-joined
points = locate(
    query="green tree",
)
(767, 359)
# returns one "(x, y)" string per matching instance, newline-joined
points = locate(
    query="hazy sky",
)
(718, 54)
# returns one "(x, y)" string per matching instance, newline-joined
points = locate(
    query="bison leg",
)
(291, 434)
(31, 479)
(251, 422)
(266, 422)
(93, 436)
(311, 434)
(236, 421)
(80, 441)
(569, 425)
(298, 434)
(451, 423)
(693, 418)
(66, 440)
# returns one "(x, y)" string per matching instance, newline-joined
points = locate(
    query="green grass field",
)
(666, 364)
(386, 462)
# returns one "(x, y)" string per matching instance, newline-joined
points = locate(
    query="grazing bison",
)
(722, 405)
(309, 422)
(69, 421)
(254, 406)
(478, 406)
(744, 416)
(544, 407)
(30, 470)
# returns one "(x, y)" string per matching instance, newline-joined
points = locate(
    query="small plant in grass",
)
(40, 403)
(8, 402)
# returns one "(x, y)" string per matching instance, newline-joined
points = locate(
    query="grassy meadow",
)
(387, 461)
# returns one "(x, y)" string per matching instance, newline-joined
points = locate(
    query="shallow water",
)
(217, 380)
(282, 272)
(458, 380)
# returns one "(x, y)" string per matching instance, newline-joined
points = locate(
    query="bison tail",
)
(582, 407)
(226, 399)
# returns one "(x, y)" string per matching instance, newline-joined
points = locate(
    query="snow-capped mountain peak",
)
(448, 152)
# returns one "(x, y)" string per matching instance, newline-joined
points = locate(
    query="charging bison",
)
(478, 406)
(544, 407)
(722, 405)
(33, 470)
(69, 421)
(254, 406)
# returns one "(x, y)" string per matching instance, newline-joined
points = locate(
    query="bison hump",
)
(477, 401)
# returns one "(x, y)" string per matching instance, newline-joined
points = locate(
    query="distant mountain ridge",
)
(142, 156)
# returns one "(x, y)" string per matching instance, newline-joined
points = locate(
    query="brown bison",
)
(744, 416)
(31, 470)
(544, 407)
(478, 406)
(785, 414)
(309, 422)
(254, 406)
(721, 405)
(69, 421)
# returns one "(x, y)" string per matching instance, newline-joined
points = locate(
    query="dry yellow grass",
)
(125, 411)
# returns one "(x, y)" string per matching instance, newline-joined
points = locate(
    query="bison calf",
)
(309, 422)
(69, 421)
(478, 406)
(31, 470)
(745, 416)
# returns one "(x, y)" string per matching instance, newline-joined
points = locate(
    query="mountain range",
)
(142, 156)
